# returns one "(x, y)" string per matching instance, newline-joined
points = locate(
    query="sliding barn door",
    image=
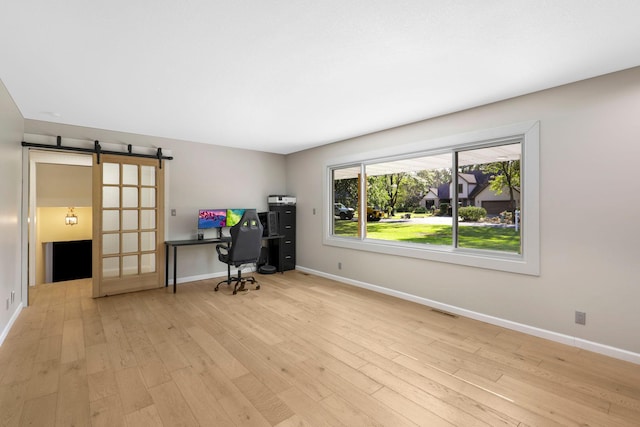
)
(128, 224)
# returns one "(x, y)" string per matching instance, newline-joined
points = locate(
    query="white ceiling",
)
(283, 76)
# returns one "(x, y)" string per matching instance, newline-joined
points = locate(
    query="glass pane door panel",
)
(111, 267)
(110, 220)
(148, 241)
(129, 197)
(130, 174)
(127, 252)
(148, 197)
(147, 263)
(110, 244)
(129, 242)
(130, 265)
(129, 219)
(148, 219)
(148, 175)
(110, 173)
(110, 197)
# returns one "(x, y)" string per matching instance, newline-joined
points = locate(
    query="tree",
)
(393, 182)
(412, 191)
(435, 177)
(385, 191)
(346, 191)
(377, 194)
(505, 174)
(403, 189)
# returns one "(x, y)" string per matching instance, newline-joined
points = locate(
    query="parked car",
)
(342, 211)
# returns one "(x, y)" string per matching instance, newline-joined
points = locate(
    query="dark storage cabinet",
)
(283, 251)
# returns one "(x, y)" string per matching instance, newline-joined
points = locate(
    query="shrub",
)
(507, 217)
(472, 213)
(444, 209)
(420, 210)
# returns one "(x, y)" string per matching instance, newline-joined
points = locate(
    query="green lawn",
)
(472, 237)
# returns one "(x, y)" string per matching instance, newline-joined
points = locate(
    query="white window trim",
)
(526, 263)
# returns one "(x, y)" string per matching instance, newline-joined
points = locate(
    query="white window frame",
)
(527, 262)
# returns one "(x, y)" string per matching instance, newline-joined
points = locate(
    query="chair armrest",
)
(221, 247)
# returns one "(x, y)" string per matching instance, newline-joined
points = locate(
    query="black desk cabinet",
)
(284, 250)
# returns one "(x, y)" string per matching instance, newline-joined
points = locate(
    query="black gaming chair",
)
(245, 246)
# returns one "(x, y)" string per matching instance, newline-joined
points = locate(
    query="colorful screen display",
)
(212, 218)
(234, 216)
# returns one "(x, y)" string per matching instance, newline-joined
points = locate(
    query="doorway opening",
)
(60, 216)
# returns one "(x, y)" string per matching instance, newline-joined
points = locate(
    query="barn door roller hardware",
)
(98, 151)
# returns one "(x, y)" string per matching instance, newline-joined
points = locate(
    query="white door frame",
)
(32, 157)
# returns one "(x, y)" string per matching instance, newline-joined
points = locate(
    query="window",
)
(489, 218)
(346, 199)
(403, 203)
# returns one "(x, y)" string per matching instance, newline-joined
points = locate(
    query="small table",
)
(175, 244)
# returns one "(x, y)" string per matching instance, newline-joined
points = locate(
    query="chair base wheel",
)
(239, 284)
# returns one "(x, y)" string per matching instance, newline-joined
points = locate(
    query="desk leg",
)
(228, 266)
(166, 265)
(175, 268)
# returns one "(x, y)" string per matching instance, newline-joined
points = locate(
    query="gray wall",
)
(208, 176)
(589, 151)
(11, 131)
(200, 176)
(63, 185)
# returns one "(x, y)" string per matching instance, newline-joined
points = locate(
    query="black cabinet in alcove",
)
(284, 250)
(71, 260)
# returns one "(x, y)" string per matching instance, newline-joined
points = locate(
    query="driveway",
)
(445, 220)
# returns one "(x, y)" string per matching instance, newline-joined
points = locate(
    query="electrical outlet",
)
(339, 266)
(173, 212)
(581, 318)
(314, 211)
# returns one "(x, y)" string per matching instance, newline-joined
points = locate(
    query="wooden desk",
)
(195, 242)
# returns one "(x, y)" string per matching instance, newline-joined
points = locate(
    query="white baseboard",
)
(520, 327)
(209, 276)
(12, 320)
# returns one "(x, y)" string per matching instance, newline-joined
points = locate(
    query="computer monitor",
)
(212, 218)
(234, 216)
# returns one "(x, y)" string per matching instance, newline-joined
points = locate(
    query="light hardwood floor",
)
(302, 351)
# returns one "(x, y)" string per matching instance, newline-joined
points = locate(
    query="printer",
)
(281, 200)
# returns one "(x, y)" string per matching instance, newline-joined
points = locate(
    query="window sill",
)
(493, 260)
